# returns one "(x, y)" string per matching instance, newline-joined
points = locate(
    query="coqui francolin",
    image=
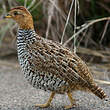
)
(49, 65)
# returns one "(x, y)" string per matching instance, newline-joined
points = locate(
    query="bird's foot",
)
(73, 101)
(48, 102)
(42, 105)
(70, 106)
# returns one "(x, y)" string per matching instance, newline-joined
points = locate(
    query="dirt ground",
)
(17, 94)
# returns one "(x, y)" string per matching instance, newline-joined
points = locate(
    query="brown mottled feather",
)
(60, 61)
(63, 63)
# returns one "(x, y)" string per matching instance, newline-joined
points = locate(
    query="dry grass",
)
(61, 19)
(61, 23)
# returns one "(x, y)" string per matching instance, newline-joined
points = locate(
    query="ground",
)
(17, 94)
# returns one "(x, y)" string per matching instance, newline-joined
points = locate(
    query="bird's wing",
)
(49, 57)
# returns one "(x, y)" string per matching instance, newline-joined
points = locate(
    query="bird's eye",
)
(16, 13)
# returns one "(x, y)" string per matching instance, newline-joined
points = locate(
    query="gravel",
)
(17, 94)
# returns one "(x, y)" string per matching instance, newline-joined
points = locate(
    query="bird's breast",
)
(38, 79)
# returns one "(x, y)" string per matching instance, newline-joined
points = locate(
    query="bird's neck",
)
(26, 35)
(26, 23)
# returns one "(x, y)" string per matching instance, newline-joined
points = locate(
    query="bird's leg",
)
(47, 104)
(72, 101)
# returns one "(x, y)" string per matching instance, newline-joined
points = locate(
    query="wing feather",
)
(49, 57)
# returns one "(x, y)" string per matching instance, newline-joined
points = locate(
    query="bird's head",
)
(22, 16)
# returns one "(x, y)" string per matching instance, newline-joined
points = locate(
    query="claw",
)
(42, 105)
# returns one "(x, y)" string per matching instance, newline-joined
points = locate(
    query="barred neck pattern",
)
(26, 36)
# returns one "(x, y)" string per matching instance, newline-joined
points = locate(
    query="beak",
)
(7, 16)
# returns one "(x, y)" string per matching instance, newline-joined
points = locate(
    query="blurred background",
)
(57, 20)
(93, 44)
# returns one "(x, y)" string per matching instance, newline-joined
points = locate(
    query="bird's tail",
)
(98, 91)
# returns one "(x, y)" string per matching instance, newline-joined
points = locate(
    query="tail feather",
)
(98, 91)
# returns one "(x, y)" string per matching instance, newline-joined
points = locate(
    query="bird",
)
(49, 65)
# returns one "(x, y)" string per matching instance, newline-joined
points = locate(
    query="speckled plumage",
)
(37, 78)
(49, 65)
